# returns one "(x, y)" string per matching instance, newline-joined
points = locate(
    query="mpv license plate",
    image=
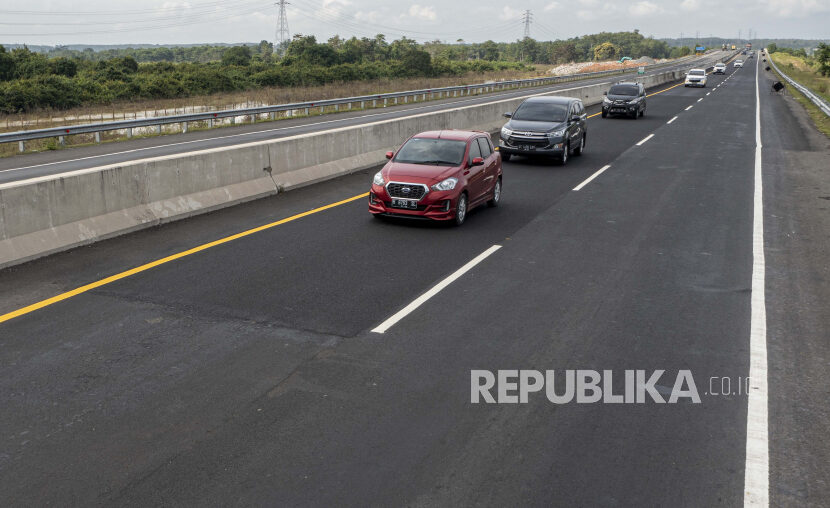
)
(410, 204)
(527, 148)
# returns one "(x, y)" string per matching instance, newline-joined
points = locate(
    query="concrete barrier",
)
(48, 214)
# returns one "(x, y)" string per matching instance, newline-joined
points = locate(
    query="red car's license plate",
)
(410, 204)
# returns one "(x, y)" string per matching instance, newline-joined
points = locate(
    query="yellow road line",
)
(112, 278)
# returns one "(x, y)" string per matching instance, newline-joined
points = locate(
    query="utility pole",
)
(527, 17)
(739, 35)
(282, 35)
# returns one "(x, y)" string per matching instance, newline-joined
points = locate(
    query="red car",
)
(439, 175)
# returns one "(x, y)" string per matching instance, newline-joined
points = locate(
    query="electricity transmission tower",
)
(282, 35)
(527, 17)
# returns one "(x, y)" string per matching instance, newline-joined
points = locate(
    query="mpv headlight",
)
(378, 180)
(557, 134)
(448, 184)
(505, 132)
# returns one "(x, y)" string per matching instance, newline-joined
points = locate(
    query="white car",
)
(720, 68)
(739, 63)
(696, 77)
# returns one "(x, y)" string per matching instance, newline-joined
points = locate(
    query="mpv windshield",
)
(541, 112)
(432, 151)
(623, 90)
(697, 72)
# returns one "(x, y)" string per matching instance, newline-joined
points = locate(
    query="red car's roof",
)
(448, 134)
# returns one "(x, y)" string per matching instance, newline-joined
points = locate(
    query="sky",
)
(49, 22)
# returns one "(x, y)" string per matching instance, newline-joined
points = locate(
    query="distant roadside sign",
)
(700, 48)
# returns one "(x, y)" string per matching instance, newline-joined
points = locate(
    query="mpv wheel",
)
(564, 159)
(581, 149)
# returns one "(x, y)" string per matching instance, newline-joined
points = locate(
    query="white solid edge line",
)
(707, 93)
(670, 121)
(700, 99)
(389, 323)
(248, 144)
(640, 143)
(588, 180)
(690, 107)
(756, 471)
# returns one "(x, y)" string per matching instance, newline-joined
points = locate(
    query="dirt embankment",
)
(578, 67)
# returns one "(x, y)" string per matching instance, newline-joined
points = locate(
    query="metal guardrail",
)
(61, 132)
(818, 101)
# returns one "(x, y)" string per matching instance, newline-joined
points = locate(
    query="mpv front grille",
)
(406, 190)
(517, 141)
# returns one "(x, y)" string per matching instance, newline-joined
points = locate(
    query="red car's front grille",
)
(406, 190)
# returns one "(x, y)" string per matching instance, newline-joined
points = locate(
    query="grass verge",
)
(820, 120)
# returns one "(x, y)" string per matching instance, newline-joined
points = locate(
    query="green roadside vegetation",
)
(810, 71)
(62, 78)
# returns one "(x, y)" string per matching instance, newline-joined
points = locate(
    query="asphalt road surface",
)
(60, 161)
(246, 373)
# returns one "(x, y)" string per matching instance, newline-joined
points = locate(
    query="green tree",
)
(6, 64)
(606, 51)
(237, 55)
(822, 57)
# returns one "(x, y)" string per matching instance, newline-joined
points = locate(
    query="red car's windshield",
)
(432, 151)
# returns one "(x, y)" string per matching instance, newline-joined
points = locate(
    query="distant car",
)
(545, 125)
(696, 77)
(625, 99)
(438, 175)
(720, 68)
(738, 63)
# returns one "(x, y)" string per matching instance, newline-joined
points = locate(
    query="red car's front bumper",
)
(435, 205)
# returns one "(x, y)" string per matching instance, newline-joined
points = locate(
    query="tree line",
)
(65, 78)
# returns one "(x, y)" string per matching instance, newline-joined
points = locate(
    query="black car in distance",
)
(625, 99)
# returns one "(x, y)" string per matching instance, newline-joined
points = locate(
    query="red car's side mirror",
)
(389, 155)
(478, 161)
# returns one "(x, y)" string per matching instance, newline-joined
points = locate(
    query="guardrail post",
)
(350, 106)
(273, 115)
(306, 111)
(384, 102)
(362, 104)
(129, 135)
(158, 129)
(97, 136)
(184, 127)
(405, 99)
(61, 140)
(210, 123)
(425, 96)
(21, 146)
(374, 102)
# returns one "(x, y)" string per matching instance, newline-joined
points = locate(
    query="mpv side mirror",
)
(389, 155)
(576, 118)
(508, 115)
(478, 161)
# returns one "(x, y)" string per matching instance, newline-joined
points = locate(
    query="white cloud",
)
(690, 5)
(551, 6)
(644, 8)
(796, 8)
(426, 12)
(369, 16)
(510, 13)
